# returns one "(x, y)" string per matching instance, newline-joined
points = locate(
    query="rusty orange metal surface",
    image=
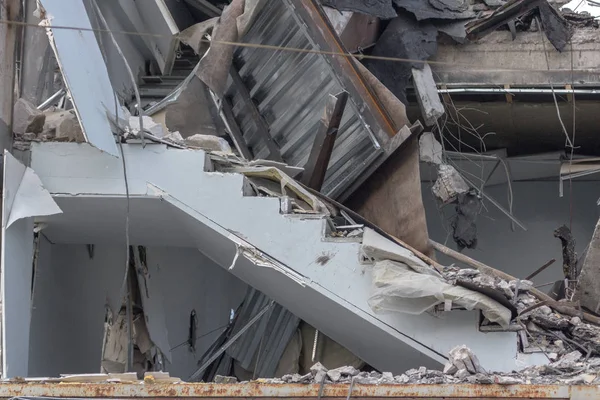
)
(292, 391)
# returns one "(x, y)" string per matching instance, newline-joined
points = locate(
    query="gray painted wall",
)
(189, 280)
(538, 206)
(71, 291)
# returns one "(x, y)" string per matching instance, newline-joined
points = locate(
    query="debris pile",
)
(53, 124)
(541, 327)
(462, 367)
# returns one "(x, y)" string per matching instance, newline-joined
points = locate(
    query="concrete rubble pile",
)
(462, 367)
(53, 124)
(541, 328)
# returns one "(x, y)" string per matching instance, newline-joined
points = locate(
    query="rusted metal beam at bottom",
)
(266, 391)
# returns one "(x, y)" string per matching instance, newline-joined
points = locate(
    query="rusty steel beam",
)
(265, 391)
(320, 154)
(312, 15)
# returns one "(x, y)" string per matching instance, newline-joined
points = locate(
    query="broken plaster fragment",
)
(26, 118)
(225, 379)
(568, 360)
(319, 372)
(449, 184)
(208, 142)
(430, 150)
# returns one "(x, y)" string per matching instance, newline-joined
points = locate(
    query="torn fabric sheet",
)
(31, 198)
(230, 27)
(398, 288)
(194, 36)
(86, 77)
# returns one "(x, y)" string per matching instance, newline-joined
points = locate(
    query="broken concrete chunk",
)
(430, 150)
(449, 184)
(319, 372)
(507, 380)
(26, 118)
(427, 95)
(226, 380)
(149, 126)
(568, 360)
(466, 363)
(70, 130)
(549, 321)
(342, 372)
(588, 336)
(208, 142)
(450, 369)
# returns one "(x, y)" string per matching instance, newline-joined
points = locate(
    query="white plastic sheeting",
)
(398, 288)
(402, 282)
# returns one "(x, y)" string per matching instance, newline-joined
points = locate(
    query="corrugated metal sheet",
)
(290, 90)
(267, 339)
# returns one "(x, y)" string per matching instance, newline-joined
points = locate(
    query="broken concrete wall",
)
(71, 291)
(539, 207)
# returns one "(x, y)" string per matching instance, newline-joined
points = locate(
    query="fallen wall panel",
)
(83, 69)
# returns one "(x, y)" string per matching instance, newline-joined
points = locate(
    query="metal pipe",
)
(51, 100)
(235, 337)
(517, 91)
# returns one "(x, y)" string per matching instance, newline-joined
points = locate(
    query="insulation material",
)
(86, 77)
(285, 182)
(398, 288)
(430, 150)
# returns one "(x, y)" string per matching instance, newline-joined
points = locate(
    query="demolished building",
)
(251, 189)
